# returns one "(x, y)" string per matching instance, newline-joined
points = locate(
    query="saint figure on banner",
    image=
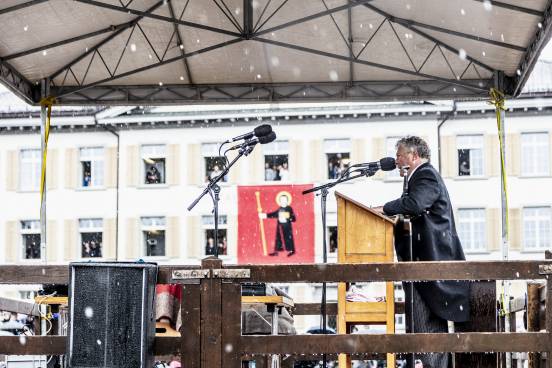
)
(284, 230)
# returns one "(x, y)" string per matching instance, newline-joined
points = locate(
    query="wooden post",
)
(231, 329)
(533, 325)
(211, 317)
(190, 308)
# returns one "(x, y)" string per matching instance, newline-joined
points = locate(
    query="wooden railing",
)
(211, 311)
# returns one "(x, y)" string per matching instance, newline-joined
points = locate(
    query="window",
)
(471, 229)
(153, 235)
(30, 236)
(535, 158)
(338, 156)
(391, 151)
(208, 224)
(213, 162)
(92, 166)
(276, 161)
(91, 231)
(30, 164)
(470, 155)
(536, 228)
(154, 163)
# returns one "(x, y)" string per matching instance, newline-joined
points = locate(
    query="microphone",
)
(385, 164)
(264, 139)
(260, 131)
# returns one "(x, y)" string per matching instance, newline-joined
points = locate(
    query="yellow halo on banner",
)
(283, 193)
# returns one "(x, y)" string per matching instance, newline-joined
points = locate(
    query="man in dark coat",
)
(434, 238)
(284, 231)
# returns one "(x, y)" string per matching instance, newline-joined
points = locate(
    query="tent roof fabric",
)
(101, 52)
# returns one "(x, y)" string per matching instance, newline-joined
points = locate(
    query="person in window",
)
(216, 172)
(284, 231)
(434, 238)
(210, 247)
(276, 169)
(270, 174)
(85, 249)
(86, 178)
(95, 249)
(284, 172)
(153, 176)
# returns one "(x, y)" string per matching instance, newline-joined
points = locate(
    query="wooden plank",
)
(211, 317)
(404, 271)
(268, 299)
(190, 309)
(533, 323)
(548, 312)
(231, 328)
(56, 345)
(311, 309)
(396, 343)
(19, 306)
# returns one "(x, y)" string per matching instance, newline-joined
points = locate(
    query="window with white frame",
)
(471, 229)
(154, 158)
(535, 156)
(30, 239)
(338, 156)
(208, 225)
(153, 235)
(92, 166)
(391, 151)
(470, 155)
(213, 163)
(537, 222)
(91, 235)
(276, 161)
(29, 175)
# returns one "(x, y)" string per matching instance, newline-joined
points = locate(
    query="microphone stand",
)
(214, 189)
(370, 171)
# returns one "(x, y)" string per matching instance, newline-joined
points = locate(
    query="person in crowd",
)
(153, 176)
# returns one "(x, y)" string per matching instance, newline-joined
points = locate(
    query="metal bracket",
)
(235, 273)
(545, 269)
(190, 274)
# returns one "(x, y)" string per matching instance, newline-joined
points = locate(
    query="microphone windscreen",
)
(262, 130)
(388, 164)
(267, 138)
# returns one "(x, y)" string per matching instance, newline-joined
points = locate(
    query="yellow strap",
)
(45, 102)
(497, 99)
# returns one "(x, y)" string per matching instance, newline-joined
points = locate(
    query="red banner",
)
(275, 224)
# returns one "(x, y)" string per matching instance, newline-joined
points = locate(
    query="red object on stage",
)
(286, 235)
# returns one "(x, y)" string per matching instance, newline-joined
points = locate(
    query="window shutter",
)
(256, 167)
(232, 236)
(13, 245)
(515, 229)
(513, 154)
(71, 169)
(110, 162)
(109, 238)
(12, 171)
(52, 169)
(195, 165)
(194, 243)
(378, 149)
(52, 245)
(133, 243)
(133, 166)
(449, 155)
(492, 156)
(295, 161)
(71, 249)
(493, 229)
(173, 237)
(173, 164)
(319, 168)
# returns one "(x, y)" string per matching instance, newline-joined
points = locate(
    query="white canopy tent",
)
(98, 52)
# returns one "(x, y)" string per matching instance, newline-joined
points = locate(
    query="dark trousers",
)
(425, 321)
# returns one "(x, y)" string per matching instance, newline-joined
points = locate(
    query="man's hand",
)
(262, 216)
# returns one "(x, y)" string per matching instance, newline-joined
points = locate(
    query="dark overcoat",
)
(434, 238)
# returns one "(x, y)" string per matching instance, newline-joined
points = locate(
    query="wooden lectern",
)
(363, 236)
